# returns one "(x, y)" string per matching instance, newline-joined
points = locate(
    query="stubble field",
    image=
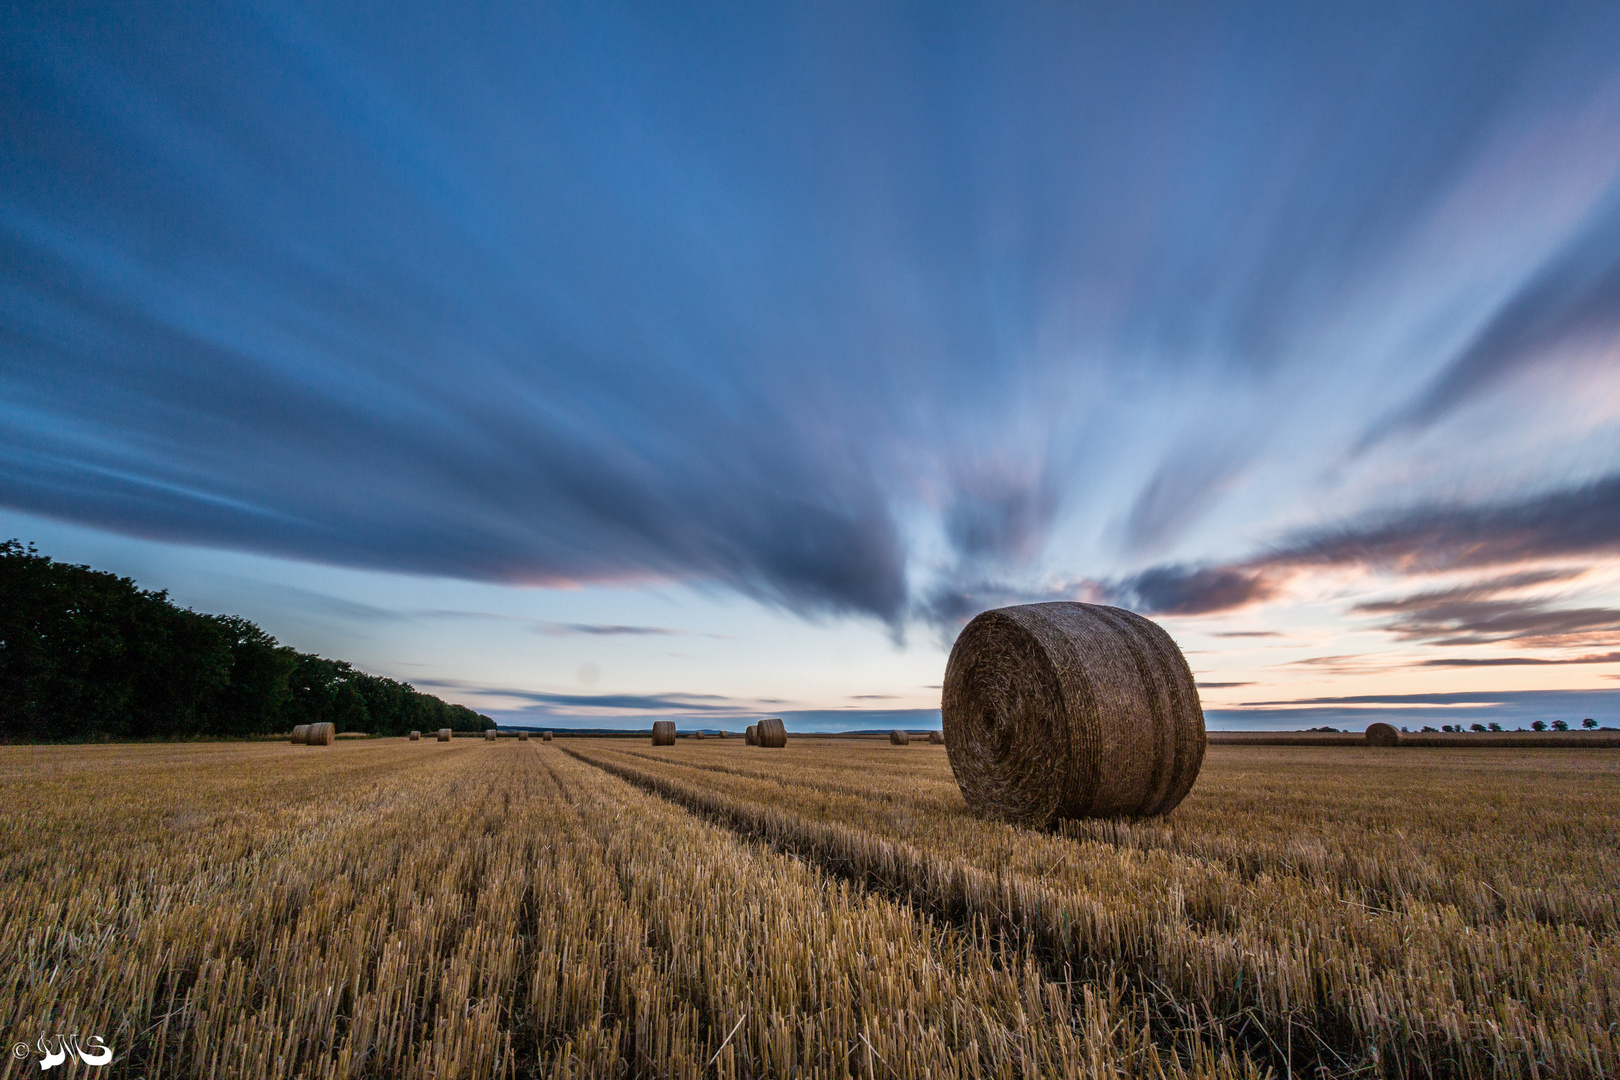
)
(607, 908)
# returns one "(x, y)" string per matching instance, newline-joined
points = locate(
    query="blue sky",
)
(585, 361)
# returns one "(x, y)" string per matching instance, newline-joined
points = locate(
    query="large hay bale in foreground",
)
(936, 738)
(899, 738)
(416, 736)
(1383, 735)
(523, 736)
(300, 734)
(321, 734)
(771, 733)
(751, 735)
(663, 733)
(545, 737)
(444, 734)
(1068, 710)
(490, 734)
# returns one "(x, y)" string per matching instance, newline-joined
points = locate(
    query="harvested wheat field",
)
(592, 908)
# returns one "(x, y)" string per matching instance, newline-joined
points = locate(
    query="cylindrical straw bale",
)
(1383, 735)
(300, 734)
(321, 734)
(416, 736)
(523, 736)
(751, 735)
(545, 737)
(663, 733)
(936, 738)
(490, 735)
(899, 738)
(699, 735)
(771, 733)
(444, 734)
(1067, 710)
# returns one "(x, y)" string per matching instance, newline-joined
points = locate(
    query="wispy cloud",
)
(604, 630)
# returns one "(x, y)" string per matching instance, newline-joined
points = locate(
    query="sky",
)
(595, 363)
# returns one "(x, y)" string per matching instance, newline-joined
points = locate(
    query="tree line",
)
(86, 654)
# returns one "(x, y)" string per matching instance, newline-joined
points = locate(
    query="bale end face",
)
(490, 735)
(771, 733)
(899, 738)
(663, 733)
(523, 736)
(1383, 735)
(751, 735)
(546, 737)
(1069, 710)
(416, 736)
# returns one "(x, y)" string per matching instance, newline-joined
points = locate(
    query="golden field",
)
(606, 908)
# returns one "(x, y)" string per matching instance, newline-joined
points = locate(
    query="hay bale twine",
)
(416, 736)
(771, 733)
(444, 734)
(663, 733)
(300, 734)
(523, 736)
(1383, 735)
(490, 735)
(751, 735)
(545, 737)
(1068, 710)
(321, 734)
(936, 738)
(899, 738)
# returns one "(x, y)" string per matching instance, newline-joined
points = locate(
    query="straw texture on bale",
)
(663, 733)
(1068, 710)
(771, 733)
(321, 734)
(490, 734)
(416, 736)
(751, 735)
(444, 734)
(300, 734)
(899, 738)
(936, 738)
(1383, 735)
(546, 737)
(523, 736)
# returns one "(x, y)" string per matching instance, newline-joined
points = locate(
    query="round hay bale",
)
(490, 735)
(772, 733)
(523, 736)
(899, 738)
(416, 736)
(1383, 735)
(663, 733)
(1068, 710)
(751, 735)
(300, 734)
(444, 734)
(321, 734)
(546, 737)
(936, 738)
(699, 735)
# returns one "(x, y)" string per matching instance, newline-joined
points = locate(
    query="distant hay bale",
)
(321, 734)
(725, 734)
(416, 736)
(490, 735)
(444, 734)
(545, 737)
(899, 738)
(523, 736)
(663, 733)
(1068, 710)
(936, 738)
(1383, 735)
(771, 733)
(300, 734)
(751, 735)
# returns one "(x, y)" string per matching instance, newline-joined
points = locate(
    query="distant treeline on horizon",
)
(86, 654)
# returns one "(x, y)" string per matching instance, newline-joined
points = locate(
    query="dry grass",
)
(591, 908)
